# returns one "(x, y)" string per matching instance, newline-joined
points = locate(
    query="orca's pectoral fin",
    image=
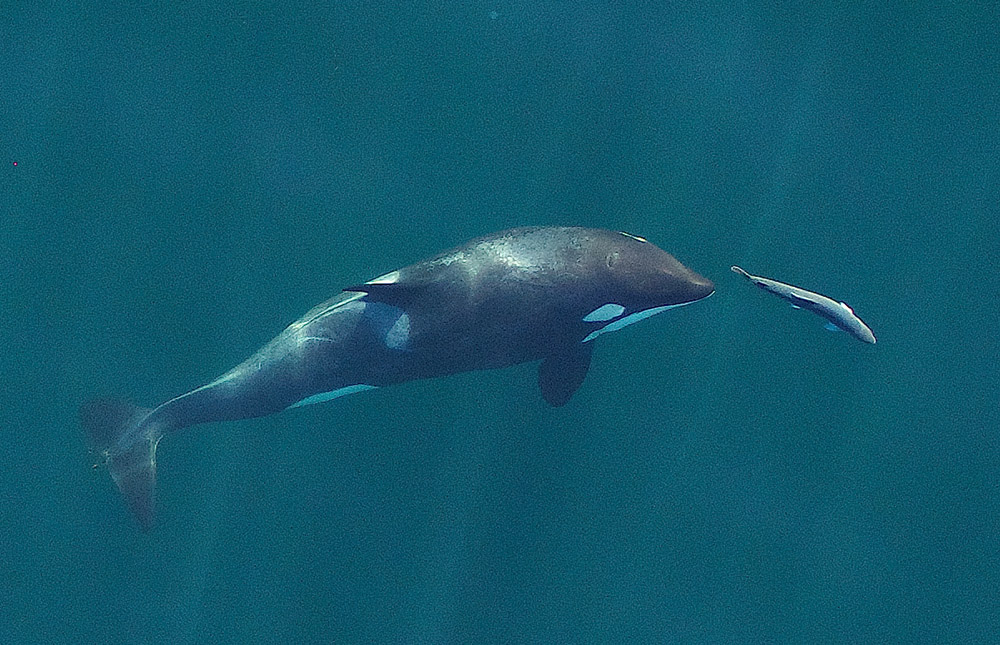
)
(560, 375)
(130, 456)
(831, 327)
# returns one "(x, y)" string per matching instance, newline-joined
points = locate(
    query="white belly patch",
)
(333, 394)
(628, 320)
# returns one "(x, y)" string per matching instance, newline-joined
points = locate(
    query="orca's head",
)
(641, 280)
(647, 276)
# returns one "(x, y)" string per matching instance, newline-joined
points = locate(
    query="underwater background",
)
(182, 180)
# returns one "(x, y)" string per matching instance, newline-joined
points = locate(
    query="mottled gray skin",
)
(838, 313)
(511, 297)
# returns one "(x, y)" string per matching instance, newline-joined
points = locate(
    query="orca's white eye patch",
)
(630, 319)
(604, 312)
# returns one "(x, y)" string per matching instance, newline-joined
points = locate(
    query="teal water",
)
(180, 182)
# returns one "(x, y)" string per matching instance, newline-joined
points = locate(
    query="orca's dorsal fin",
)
(560, 375)
(395, 294)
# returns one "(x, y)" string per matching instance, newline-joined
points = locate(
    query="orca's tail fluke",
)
(125, 437)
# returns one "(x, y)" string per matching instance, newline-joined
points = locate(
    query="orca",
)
(520, 295)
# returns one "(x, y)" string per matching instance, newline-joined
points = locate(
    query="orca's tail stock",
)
(125, 437)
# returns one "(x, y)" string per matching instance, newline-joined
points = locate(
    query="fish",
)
(521, 295)
(839, 315)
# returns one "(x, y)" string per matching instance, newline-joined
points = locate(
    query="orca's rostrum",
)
(525, 294)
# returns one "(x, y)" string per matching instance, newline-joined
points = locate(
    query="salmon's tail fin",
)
(125, 438)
